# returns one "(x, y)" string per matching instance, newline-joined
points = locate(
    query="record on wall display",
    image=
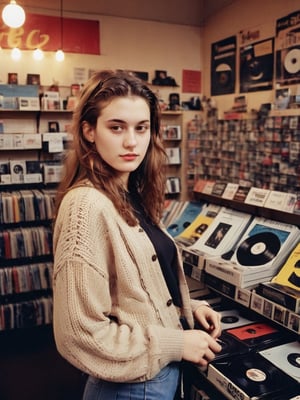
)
(288, 49)
(256, 66)
(254, 375)
(292, 61)
(223, 56)
(258, 249)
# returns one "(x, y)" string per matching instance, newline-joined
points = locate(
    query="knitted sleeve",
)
(86, 332)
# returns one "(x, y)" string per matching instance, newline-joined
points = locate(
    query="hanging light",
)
(38, 54)
(16, 54)
(60, 55)
(13, 15)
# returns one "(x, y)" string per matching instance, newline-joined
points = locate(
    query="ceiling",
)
(182, 12)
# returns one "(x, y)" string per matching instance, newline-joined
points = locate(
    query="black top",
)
(164, 247)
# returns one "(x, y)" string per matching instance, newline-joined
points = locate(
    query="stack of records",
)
(223, 233)
(259, 254)
(198, 226)
(250, 376)
(187, 215)
(286, 357)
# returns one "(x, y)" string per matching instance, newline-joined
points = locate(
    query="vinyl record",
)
(294, 359)
(223, 75)
(229, 319)
(258, 249)
(292, 61)
(255, 375)
(230, 346)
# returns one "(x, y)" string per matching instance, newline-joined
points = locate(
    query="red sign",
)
(191, 81)
(53, 33)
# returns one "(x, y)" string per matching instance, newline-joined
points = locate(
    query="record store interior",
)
(227, 77)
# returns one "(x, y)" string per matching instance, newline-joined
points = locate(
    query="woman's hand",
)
(209, 319)
(199, 347)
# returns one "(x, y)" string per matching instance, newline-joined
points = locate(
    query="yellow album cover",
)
(289, 274)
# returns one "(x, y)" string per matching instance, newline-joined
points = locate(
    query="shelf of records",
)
(34, 97)
(265, 152)
(26, 172)
(26, 205)
(27, 313)
(234, 252)
(264, 202)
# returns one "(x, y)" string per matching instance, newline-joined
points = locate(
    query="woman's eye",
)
(116, 128)
(142, 128)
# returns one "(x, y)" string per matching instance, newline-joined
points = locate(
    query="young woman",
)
(122, 312)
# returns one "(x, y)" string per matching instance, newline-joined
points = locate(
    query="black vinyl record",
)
(258, 249)
(230, 346)
(254, 375)
(229, 319)
(294, 359)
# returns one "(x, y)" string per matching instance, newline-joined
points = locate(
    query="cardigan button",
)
(141, 230)
(154, 257)
(169, 302)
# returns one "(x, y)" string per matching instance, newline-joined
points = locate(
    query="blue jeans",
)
(162, 386)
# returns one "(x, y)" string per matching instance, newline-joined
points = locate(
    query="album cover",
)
(194, 231)
(249, 376)
(285, 357)
(174, 155)
(258, 335)
(17, 170)
(218, 188)
(289, 274)
(186, 217)
(265, 243)
(282, 201)
(256, 66)
(223, 61)
(223, 233)
(198, 226)
(230, 191)
(257, 196)
(287, 49)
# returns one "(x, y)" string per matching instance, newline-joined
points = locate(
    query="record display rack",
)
(262, 151)
(32, 142)
(173, 139)
(227, 377)
(26, 260)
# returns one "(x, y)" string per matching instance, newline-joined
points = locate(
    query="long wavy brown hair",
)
(83, 162)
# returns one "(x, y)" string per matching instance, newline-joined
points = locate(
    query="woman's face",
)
(122, 134)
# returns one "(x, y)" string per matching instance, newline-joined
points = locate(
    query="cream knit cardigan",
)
(113, 316)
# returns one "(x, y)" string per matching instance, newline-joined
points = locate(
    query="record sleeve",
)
(265, 243)
(248, 377)
(199, 225)
(257, 335)
(285, 357)
(186, 217)
(289, 274)
(223, 233)
(232, 319)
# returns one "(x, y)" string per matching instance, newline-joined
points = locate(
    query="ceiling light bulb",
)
(59, 55)
(16, 54)
(13, 15)
(38, 54)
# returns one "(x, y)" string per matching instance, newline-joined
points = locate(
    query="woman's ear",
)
(88, 132)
